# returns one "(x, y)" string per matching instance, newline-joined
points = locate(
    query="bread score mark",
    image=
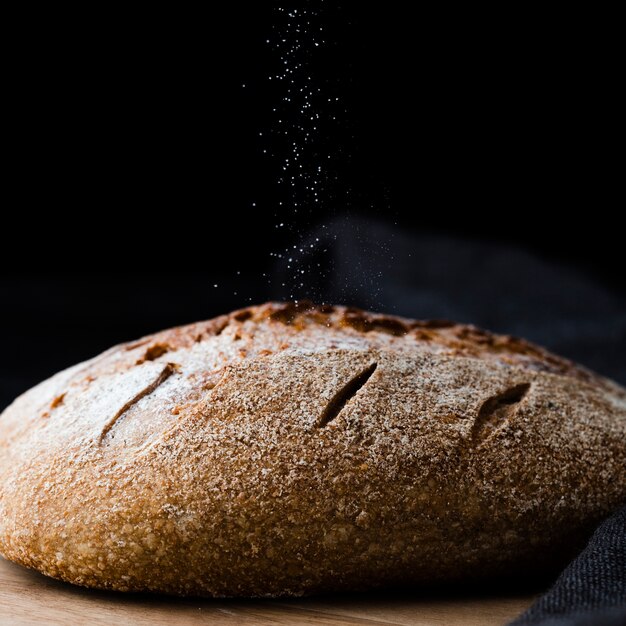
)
(498, 409)
(347, 392)
(166, 372)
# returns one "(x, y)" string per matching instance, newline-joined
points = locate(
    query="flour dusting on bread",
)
(287, 449)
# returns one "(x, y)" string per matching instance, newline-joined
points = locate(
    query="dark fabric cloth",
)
(601, 617)
(592, 588)
(504, 289)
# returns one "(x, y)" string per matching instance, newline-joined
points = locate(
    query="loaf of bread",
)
(288, 449)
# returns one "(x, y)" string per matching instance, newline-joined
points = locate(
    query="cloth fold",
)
(591, 590)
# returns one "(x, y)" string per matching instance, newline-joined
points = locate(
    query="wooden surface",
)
(29, 598)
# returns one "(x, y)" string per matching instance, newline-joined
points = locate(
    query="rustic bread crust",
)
(287, 449)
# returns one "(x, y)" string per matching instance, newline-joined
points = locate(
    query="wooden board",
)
(29, 598)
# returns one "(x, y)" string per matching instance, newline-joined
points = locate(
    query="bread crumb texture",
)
(288, 449)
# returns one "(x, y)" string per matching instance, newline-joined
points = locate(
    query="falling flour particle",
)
(308, 147)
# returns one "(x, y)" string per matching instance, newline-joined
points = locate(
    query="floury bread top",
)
(290, 449)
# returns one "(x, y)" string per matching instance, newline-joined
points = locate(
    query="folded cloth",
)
(591, 591)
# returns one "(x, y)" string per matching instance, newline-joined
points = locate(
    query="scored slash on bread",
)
(288, 448)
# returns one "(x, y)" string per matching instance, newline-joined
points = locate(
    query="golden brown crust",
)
(289, 449)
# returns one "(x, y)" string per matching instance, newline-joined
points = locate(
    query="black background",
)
(134, 158)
